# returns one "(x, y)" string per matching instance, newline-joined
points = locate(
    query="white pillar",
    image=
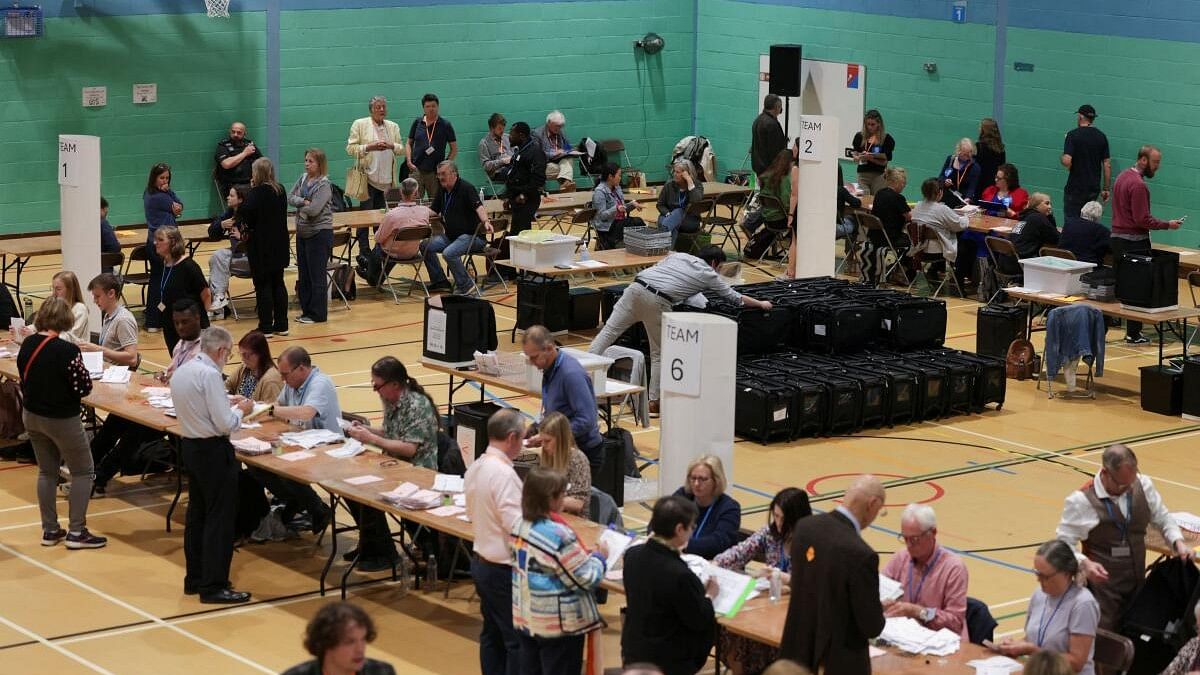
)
(699, 357)
(816, 192)
(79, 210)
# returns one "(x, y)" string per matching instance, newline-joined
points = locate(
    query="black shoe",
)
(189, 589)
(84, 540)
(320, 520)
(1138, 339)
(226, 596)
(350, 555)
(376, 564)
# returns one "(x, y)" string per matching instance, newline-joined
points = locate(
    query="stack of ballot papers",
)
(117, 375)
(889, 589)
(910, 636)
(94, 362)
(350, 448)
(995, 665)
(409, 496)
(447, 482)
(734, 588)
(251, 446)
(311, 438)
(161, 401)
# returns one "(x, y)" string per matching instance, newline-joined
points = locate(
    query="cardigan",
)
(669, 621)
(716, 527)
(57, 378)
(266, 389)
(318, 214)
(553, 575)
(362, 132)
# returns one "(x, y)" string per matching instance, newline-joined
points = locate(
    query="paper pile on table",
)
(889, 589)
(996, 665)
(251, 446)
(349, 449)
(409, 496)
(910, 636)
(310, 439)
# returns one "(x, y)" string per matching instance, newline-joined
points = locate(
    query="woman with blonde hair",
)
(720, 515)
(311, 197)
(560, 454)
(893, 212)
(960, 172)
(872, 149)
(181, 278)
(64, 285)
(264, 220)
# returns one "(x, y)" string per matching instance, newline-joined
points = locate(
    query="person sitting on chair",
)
(683, 190)
(1085, 236)
(227, 225)
(408, 213)
(560, 160)
(1036, 227)
(495, 152)
(612, 209)
(778, 206)
(457, 201)
(944, 221)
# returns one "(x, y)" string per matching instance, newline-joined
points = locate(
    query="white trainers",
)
(219, 301)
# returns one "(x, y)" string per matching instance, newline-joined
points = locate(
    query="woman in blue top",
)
(960, 171)
(720, 515)
(162, 207)
(612, 209)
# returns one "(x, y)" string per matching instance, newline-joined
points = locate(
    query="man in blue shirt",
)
(426, 147)
(566, 388)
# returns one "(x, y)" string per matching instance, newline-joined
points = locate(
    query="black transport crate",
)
(763, 410)
(996, 326)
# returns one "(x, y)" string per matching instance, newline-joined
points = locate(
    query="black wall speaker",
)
(785, 70)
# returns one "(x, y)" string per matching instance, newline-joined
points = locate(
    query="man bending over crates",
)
(655, 290)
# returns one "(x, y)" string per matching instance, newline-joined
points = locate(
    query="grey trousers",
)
(56, 441)
(636, 304)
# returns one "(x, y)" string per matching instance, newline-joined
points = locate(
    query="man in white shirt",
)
(494, 504)
(206, 420)
(1109, 516)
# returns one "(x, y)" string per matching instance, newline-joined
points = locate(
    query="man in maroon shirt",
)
(1132, 220)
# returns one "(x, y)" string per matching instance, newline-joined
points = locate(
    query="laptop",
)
(993, 207)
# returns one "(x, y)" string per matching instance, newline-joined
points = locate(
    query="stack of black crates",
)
(834, 357)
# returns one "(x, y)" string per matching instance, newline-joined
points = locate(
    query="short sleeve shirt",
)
(413, 420)
(1051, 622)
(423, 137)
(317, 391)
(1088, 148)
(457, 207)
(888, 147)
(183, 280)
(118, 330)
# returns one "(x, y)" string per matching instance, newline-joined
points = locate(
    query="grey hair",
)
(921, 513)
(1117, 455)
(556, 117)
(686, 165)
(214, 339)
(409, 187)
(965, 142)
(1060, 556)
(376, 99)
(538, 336)
(505, 423)
(1092, 210)
(448, 164)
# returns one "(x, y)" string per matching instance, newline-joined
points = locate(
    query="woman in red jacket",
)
(1007, 191)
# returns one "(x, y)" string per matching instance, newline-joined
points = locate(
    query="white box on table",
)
(1055, 275)
(558, 249)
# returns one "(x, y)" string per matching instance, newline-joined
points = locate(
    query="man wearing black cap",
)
(1085, 150)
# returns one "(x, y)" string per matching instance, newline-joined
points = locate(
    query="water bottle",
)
(583, 252)
(431, 572)
(776, 585)
(481, 197)
(403, 572)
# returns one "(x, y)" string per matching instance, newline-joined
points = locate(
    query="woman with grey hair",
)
(1063, 615)
(683, 190)
(1085, 236)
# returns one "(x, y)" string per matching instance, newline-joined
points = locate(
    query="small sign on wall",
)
(95, 97)
(145, 93)
(958, 11)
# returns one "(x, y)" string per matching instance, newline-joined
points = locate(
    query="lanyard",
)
(707, 513)
(1041, 636)
(960, 174)
(447, 198)
(555, 142)
(162, 285)
(106, 323)
(912, 572)
(785, 563)
(683, 195)
(428, 132)
(1122, 525)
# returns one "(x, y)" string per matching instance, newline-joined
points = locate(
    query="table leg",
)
(1159, 328)
(17, 265)
(175, 445)
(450, 397)
(333, 503)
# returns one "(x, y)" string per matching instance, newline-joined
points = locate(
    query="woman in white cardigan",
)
(64, 285)
(375, 142)
(944, 221)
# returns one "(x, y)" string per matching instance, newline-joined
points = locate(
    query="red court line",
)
(19, 466)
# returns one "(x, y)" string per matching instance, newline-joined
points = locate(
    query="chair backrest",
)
(1055, 252)
(1003, 256)
(731, 199)
(110, 261)
(1113, 651)
(701, 207)
(583, 216)
(412, 233)
(139, 253)
(868, 221)
(1193, 282)
(1000, 246)
(612, 145)
(980, 623)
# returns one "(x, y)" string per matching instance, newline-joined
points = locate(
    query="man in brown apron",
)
(1109, 516)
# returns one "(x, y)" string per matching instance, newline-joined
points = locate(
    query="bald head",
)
(1117, 455)
(865, 498)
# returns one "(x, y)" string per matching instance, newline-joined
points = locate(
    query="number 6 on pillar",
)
(681, 356)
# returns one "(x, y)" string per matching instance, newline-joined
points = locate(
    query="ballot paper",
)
(409, 496)
(251, 446)
(874, 651)
(117, 375)
(734, 589)
(364, 480)
(444, 482)
(257, 411)
(995, 665)
(446, 511)
(460, 499)
(889, 589)
(1188, 521)
(251, 425)
(348, 449)
(155, 392)
(160, 402)
(617, 542)
(910, 636)
(94, 362)
(311, 438)
(296, 456)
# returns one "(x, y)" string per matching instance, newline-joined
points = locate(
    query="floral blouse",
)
(772, 549)
(413, 420)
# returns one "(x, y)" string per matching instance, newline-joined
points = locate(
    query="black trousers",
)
(212, 509)
(523, 214)
(1073, 200)
(1120, 247)
(154, 318)
(114, 444)
(376, 199)
(374, 536)
(271, 299)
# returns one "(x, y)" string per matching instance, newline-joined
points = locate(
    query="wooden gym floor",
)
(996, 479)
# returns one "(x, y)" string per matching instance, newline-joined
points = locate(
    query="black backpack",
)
(593, 162)
(1160, 619)
(338, 201)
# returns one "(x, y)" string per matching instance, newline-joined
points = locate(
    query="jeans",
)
(1073, 201)
(56, 441)
(636, 304)
(154, 288)
(312, 287)
(376, 199)
(548, 656)
(208, 530)
(499, 648)
(453, 252)
(1120, 247)
(271, 300)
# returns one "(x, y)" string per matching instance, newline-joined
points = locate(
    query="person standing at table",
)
(1132, 220)
(314, 236)
(162, 206)
(1109, 516)
(53, 380)
(375, 143)
(567, 389)
(990, 152)
(872, 149)
(669, 619)
(1085, 154)
(267, 247)
(960, 171)
(834, 607)
(182, 279)
(458, 203)
(934, 578)
(234, 158)
(560, 161)
(526, 178)
(495, 152)
(206, 421)
(409, 432)
(426, 145)
(494, 506)
(767, 139)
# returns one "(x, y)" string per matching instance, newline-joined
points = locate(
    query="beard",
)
(1148, 172)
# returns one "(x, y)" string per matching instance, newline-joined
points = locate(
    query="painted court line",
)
(69, 654)
(135, 610)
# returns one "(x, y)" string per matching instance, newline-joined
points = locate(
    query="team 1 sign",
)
(682, 354)
(68, 161)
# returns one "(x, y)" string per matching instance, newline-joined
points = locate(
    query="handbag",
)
(1022, 362)
(356, 183)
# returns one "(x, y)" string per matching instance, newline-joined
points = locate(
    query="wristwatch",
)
(927, 614)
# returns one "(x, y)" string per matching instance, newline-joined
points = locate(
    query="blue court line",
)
(994, 468)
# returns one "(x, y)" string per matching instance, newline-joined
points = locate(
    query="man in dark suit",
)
(834, 607)
(766, 135)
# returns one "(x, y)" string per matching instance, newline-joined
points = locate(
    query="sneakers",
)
(219, 301)
(439, 286)
(84, 539)
(304, 320)
(278, 333)
(153, 329)
(1138, 339)
(52, 538)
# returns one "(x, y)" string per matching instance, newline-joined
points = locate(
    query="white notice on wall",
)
(435, 331)
(145, 93)
(813, 139)
(681, 370)
(95, 97)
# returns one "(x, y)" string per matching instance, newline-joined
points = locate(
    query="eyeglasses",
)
(377, 387)
(1044, 577)
(914, 538)
(699, 479)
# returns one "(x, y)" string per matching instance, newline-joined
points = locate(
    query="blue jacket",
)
(1087, 239)
(717, 526)
(158, 210)
(108, 238)
(567, 388)
(1074, 331)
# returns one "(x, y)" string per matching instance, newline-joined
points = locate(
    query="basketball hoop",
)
(217, 8)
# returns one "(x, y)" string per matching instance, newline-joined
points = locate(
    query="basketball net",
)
(217, 8)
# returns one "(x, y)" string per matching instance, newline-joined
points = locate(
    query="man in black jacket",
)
(834, 607)
(766, 136)
(526, 177)
(1085, 236)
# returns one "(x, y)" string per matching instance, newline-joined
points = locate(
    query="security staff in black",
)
(526, 178)
(1085, 154)
(234, 157)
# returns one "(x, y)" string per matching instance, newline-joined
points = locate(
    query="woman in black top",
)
(1035, 227)
(960, 173)
(669, 619)
(337, 636)
(989, 153)
(872, 149)
(264, 215)
(53, 380)
(891, 208)
(181, 278)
